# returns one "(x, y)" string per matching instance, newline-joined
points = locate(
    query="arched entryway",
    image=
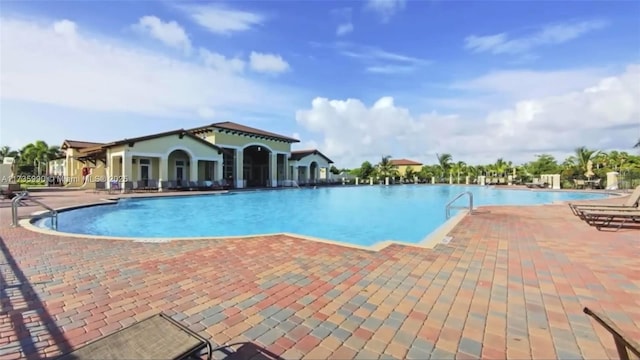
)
(256, 166)
(179, 167)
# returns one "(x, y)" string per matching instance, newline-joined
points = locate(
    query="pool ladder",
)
(450, 203)
(15, 202)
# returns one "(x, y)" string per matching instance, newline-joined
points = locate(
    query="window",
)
(179, 162)
(145, 162)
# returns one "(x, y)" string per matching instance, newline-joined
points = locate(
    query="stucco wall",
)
(223, 139)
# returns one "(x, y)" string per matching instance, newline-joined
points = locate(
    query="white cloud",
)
(386, 8)
(377, 60)
(390, 69)
(221, 62)
(101, 74)
(352, 132)
(547, 35)
(220, 19)
(344, 29)
(267, 63)
(170, 33)
(65, 27)
(524, 84)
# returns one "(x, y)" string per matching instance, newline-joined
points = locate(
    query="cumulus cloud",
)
(221, 62)
(267, 63)
(40, 65)
(547, 35)
(170, 33)
(352, 132)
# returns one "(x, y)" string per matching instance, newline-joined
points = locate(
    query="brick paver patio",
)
(511, 283)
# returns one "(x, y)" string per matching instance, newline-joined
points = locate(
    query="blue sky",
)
(357, 80)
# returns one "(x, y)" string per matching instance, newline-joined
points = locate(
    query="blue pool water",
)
(361, 215)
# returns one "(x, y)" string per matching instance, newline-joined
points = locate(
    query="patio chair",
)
(631, 203)
(156, 337)
(100, 186)
(606, 218)
(152, 185)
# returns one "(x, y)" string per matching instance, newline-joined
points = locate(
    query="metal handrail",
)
(53, 213)
(449, 207)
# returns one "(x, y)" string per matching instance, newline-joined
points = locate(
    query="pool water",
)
(361, 215)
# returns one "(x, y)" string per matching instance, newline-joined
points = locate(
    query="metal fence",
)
(629, 180)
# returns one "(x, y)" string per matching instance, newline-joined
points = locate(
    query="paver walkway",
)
(512, 283)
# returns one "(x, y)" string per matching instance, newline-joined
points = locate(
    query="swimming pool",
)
(361, 215)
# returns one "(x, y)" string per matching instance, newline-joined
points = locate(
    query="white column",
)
(386, 180)
(273, 169)
(371, 180)
(467, 179)
(307, 171)
(239, 169)
(218, 170)
(286, 167)
(109, 171)
(357, 180)
(127, 169)
(295, 173)
(433, 179)
(163, 171)
(193, 169)
(612, 180)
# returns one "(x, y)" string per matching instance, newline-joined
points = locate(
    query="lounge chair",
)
(631, 203)
(607, 218)
(624, 344)
(157, 337)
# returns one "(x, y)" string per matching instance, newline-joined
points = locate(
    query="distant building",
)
(403, 164)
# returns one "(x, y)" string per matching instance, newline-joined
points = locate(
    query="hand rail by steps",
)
(449, 207)
(15, 202)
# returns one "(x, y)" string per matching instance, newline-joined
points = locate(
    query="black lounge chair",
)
(157, 337)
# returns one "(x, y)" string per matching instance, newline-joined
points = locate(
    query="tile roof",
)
(300, 154)
(404, 162)
(235, 127)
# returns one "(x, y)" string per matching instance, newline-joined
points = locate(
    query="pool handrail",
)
(449, 207)
(15, 202)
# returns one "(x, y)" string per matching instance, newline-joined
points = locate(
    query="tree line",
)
(584, 163)
(32, 159)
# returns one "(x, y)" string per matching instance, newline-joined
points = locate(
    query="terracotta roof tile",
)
(404, 162)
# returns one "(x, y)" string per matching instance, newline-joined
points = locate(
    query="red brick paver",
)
(511, 283)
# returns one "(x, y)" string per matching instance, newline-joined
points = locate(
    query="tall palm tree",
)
(459, 168)
(583, 156)
(385, 167)
(38, 154)
(501, 167)
(444, 162)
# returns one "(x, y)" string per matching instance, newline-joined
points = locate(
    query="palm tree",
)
(583, 156)
(385, 167)
(38, 154)
(444, 162)
(458, 168)
(6, 151)
(501, 167)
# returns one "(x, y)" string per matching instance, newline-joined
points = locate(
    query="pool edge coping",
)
(428, 242)
(437, 236)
